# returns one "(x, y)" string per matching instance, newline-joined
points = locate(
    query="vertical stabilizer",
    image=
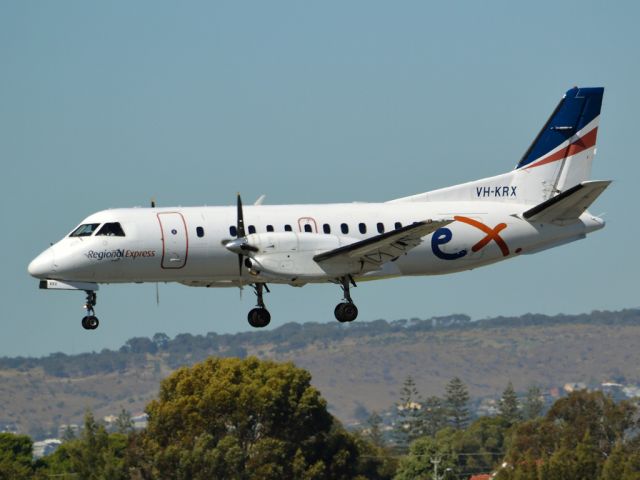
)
(559, 158)
(561, 155)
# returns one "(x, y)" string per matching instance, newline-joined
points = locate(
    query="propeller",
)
(240, 233)
(240, 245)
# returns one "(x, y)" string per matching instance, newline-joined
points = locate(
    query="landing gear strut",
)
(259, 317)
(90, 321)
(346, 311)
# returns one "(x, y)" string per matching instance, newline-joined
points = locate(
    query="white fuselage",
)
(540, 204)
(187, 245)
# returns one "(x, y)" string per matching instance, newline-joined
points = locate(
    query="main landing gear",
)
(346, 311)
(259, 317)
(90, 321)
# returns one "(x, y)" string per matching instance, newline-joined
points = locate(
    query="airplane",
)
(540, 204)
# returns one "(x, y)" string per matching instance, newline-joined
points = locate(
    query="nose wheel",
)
(90, 321)
(259, 317)
(347, 310)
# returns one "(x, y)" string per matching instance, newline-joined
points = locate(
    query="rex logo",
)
(443, 235)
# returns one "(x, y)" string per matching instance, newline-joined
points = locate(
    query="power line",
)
(420, 455)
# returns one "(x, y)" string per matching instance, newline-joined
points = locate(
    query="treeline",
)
(586, 435)
(248, 419)
(223, 418)
(185, 349)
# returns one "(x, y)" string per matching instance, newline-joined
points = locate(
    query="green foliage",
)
(434, 415)
(124, 423)
(244, 419)
(94, 455)
(409, 420)
(533, 404)
(457, 403)
(509, 406)
(15, 456)
(374, 430)
(424, 451)
(583, 436)
(477, 449)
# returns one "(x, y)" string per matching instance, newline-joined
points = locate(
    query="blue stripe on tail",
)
(578, 107)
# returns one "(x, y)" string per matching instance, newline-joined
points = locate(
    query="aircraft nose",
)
(43, 265)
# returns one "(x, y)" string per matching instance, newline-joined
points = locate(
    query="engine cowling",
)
(288, 256)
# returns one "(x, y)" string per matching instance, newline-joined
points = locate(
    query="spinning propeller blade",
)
(240, 233)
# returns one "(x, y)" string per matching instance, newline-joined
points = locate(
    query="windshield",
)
(85, 230)
(111, 229)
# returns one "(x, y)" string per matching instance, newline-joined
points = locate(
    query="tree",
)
(244, 419)
(457, 403)
(483, 444)
(161, 340)
(583, 436)
(434, 415)
(418, 463)
(613, 468)
(124, 423)
(374, 427)
(94, 455)
(68, 434)
(533, 404)
(508, 406)
(408, 424)
(375, 462)
(15, 457)
(594, 413)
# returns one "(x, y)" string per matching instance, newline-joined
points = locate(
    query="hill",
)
(358, 367)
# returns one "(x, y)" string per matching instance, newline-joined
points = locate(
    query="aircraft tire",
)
(90, 322)
(93, 322)
(346, 312)
(259, 317)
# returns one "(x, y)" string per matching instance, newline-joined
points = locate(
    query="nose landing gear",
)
(259, 317)
(346, 311)
(90, 321)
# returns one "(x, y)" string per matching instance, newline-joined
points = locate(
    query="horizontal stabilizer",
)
(567, 205)
(386, 246)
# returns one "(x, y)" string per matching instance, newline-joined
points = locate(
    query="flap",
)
(386, 246)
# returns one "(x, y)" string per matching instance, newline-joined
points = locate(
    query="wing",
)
(384, 247)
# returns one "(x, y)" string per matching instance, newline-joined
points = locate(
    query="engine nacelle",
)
(289, 256)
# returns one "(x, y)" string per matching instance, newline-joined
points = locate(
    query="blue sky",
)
(108, 104)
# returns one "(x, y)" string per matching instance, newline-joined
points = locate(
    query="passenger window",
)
(111, 230)
(269, 228)
(363, 228)
(344, 228)
(200, 232)
(308, 229)
(380, 226)
(326, 228)
(287, 228)
(252, 229)
(233, 231)
(398, 225)
(85, 230)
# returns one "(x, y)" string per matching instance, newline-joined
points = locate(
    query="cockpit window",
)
(85, 230)
(111, 230)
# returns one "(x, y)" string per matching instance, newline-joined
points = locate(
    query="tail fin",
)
(559, 158)
(562, 153)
